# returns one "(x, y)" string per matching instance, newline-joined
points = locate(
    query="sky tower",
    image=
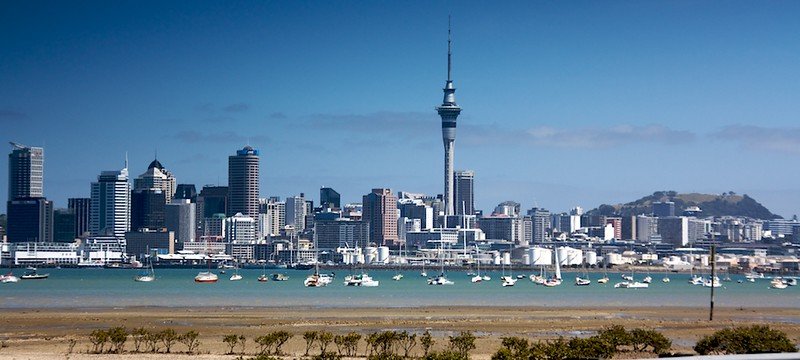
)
(449, 112)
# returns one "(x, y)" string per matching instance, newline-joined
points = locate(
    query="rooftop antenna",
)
(449, 52)
(126, 160)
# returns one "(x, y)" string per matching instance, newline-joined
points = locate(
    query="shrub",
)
(265, 343)
(745, 340)
(230, 340)
(445, 355)
(152, 339)
(325, 355)
(426, 342)
(324, 338)
(190, 340)
(168, 338)
(242, 342)
(98, 338)
(138, 335)
(310, 337)
(281, 337)
(593, 347)
(641, 339)
(117, 336)
(463, 343)
(407, 342)
(350, 343)
(616, 335)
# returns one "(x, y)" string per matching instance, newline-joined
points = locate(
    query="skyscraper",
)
(25, 172)
(465, 192)
(380, 212)
(30, 220)
(243, 182)
(156, 177)
(147, 209)
(329, 198)
(110, 205)
(449, 111)
(296, 212)
(186, 191)
(81, 208)
(180, 219)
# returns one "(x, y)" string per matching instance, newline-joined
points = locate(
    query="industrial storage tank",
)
(370, 254)
(383, 254)
(507, 258)
(526, 258)
(541, 256)
(591, 257)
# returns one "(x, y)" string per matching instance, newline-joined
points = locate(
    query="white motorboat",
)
(665, 279)
(361, 280)
(579, 281)
(603, 280)
(236, 277)
(631, 285)
(315, 280)
(508, 281)
(33, 275)
(476, 279)
(440, 280)
(627, 277)
(280, 277)
(206, 277)
(262, 278)
(696, 280)
(647, 279)
(791, 282)
(486, 278)
(712, 282)
(8, 278)
(777, 283)
(397, 277)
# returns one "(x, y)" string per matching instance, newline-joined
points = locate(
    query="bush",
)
(117, 336)
(281, 337)
(98, 338)
(463, 343)
(325, 355)
(641, 339)
(445, 355)
(310, 337)
(168, 338)
(616, 335)
(190, 340)
(138, 335)
(324, 338)
(407, 342)
(427, 342)
(231, 340)
(265, 343)
(515, 348)
(745, 340)
(152, 339)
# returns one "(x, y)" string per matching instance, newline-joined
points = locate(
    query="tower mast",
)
(449, 112)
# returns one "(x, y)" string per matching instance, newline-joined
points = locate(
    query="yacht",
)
(361, 280)
(712, 282)
(603, 280)
(280, 277)
(206, 277)
(777, 283)
(665, 279)
(579, 281)
(508, 281)
(8, 278)
(263, 278)
(236, 277)
(791, 282)
(627, 277)
(33, 275)
(440, 280)
(696, 280)
(146, 276)
(631, 285)
(397, 277)
(647, 279)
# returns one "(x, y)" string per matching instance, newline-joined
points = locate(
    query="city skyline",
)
(605, 109)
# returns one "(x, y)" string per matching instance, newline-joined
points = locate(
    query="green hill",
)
(725, 204)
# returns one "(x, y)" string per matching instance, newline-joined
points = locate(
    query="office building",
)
(663, 209)
(147, 208)
(507, 208)
(296, 211)
(243, 182)
(417, 209)
(628, 228)
(215, 225)
(240, 228)
(275, 211)
(186, 191)
(646, 228)
(25, 172)
(616, 222)
(156, 177)
(334, 233)
(541, 224)
(80, 207)
(180, 219)
(110, 205)
(329, 198)
(141, 244)
(64, 225)
(449, 112)
(380, 211)
(465, 192)
(503, 227)
(674, 230)
(30, 220)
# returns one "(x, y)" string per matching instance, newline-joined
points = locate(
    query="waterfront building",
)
(628, 228)
(380, 211)
(449, 112)
(334, 233)
(296, 211)
(30, 220)
(156, 177)
(465, 192)
(663, 209)
(25, 172)
(37, 253)
(674, 230)
(215, 225)
(140, 244)
(80, 207)
(417, 209)
(275, 211)
(329, 198)
(64, 225)
(503, 227)
(147, 208)
(110, 205)
(180, 219)
(243, 182)
(541, 224)
(240, 228)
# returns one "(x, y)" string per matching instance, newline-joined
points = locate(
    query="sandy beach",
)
(45, 334)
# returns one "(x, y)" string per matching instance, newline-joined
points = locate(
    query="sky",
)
(564, 103)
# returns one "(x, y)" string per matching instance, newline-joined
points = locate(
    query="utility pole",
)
(713, 276)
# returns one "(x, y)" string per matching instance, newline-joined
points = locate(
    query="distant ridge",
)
(725, 204)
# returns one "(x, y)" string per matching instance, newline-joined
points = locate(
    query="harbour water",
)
(109, 288)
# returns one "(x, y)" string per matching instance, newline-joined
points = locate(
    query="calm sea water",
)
(105, 288)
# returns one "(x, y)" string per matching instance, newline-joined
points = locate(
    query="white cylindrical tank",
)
(497, 259)
(370, 254)
(526, 258)
(614, 259)
(507, 258)
(383, 254)
(563, 255)
(704, 260)
(591, 258)
(541, 256)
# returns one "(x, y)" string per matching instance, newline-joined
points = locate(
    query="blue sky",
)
(565, 103)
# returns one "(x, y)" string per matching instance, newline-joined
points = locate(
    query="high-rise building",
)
(215, 225)
(628, 228)
(212, 200)
(275, 211)
(674, 230)
(329, 198)
(465, 192)
(240, 228)
(110, 205)
(156, 177)
(380, 212)
(25, 172)
(503, 227)
(646, 228)
(541, 224)
(30, 220)
(331, 234)
(296, 212)
(449, 112)
(81, 208)
(64, 225)
(186, 191)
(663, 209)
(417, 209)
(180, 219)
(243, 188)
(616, 222)
(147, 209)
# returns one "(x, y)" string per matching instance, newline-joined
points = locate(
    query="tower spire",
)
(449, 50)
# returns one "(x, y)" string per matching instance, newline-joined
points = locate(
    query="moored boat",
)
(206, 277)
(33, 275)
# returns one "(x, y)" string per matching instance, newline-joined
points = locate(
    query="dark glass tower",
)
(243, 169)
(329, 198)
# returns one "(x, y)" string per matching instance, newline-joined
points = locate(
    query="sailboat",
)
(236, 276)
(478, 278)
(629, 283)
(508, 280)
(206, 276)
(316, 279)
(583, 280)
(605, 278)
(441, 279)
(146, 276)
(423, 273)
(398, 275)
(556, 279)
